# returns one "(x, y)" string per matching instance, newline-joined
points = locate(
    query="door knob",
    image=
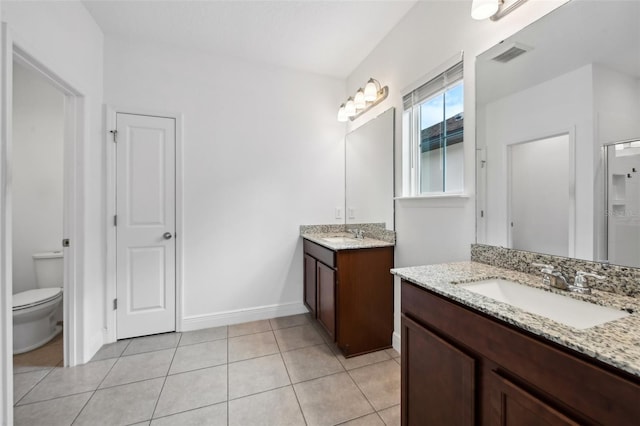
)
(167, 235)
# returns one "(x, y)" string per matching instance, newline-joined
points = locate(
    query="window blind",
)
(433, 86)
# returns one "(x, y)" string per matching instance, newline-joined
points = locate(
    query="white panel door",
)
(145, 230)
(540, 196)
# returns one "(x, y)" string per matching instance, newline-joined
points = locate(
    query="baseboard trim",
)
(91, 347)
(238, 316)
(395, 341)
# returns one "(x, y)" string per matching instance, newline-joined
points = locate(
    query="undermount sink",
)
(339, 239)
(563, 309)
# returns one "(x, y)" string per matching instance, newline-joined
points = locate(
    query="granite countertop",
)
(349, 242)
(616, 343)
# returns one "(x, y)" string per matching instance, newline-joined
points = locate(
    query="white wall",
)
(263, 154)
(38, 137)
(64, 38)
(436, 230)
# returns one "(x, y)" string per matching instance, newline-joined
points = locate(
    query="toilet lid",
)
(35, 297)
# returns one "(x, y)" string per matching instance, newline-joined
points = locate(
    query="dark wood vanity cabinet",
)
(350, 293)
(461, 367)
(310, 276)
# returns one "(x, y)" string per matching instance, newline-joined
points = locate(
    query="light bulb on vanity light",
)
(359, 101)
(371, 90)
(483, 9)
(350, 107)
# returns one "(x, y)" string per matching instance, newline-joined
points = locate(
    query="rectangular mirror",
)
(549, 98)
(369, 172)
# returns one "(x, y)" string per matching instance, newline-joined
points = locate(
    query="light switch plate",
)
(338, 213)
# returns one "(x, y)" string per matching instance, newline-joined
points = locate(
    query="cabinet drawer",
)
(323, 254)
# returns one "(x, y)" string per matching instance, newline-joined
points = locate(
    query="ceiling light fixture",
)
(363, 100)
(493, 9)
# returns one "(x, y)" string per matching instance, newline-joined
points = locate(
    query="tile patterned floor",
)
(276, 372)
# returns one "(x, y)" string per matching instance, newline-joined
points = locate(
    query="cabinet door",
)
(513, 406)
(310, 283)
(326, 298)
(438, 386)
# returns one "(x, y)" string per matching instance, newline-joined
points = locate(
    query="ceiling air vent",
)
(511, 53)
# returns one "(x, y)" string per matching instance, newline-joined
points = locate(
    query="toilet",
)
(35, 311)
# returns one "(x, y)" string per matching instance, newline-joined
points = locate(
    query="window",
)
(433, 127)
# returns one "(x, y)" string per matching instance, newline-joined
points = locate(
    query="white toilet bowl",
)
(34, 318)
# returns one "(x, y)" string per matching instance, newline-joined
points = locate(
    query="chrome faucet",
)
(358, 233)
(552, 277)
(581, 285)
(559, 281)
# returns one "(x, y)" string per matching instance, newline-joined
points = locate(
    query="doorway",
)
(38, 191)
(145, 224)
(540, 195)
(74, 137)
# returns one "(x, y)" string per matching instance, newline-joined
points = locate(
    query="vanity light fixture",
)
(363, 100)
(350, 107)
(493, 9)
(359, 101)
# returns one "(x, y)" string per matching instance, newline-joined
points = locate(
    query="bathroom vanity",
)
(349, 290)
(468, 359)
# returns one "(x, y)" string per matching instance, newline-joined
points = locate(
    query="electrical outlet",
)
(352, 213)
(338, 212)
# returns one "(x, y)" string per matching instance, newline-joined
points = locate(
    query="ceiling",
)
(329, 37)
(574, 35)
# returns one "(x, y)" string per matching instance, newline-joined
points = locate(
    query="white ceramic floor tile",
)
(213, 415)
(252, 346)
(290, 321)
(134, 368)
(152, 343)
(55, 412)
(391, 416)
(249, 328)
(380, 383)
(278, 407)
(121, 405)
(23, 382)
(194, 389)
(257, 375)
(204, 335)
(311, 362)
(362, 360)
(331, 400)
(368, 420)
(69, 380)
(200, 355)
(111, 350)
(297, 337)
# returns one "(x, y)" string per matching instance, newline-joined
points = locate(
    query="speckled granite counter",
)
(616, 343)
(375, 235)
(349, 242)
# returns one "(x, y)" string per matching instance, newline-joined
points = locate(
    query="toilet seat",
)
(30, 298)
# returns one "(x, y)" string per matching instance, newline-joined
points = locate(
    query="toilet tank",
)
(49, 269)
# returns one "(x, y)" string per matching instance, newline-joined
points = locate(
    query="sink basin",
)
(339, 239)
(563, 309)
